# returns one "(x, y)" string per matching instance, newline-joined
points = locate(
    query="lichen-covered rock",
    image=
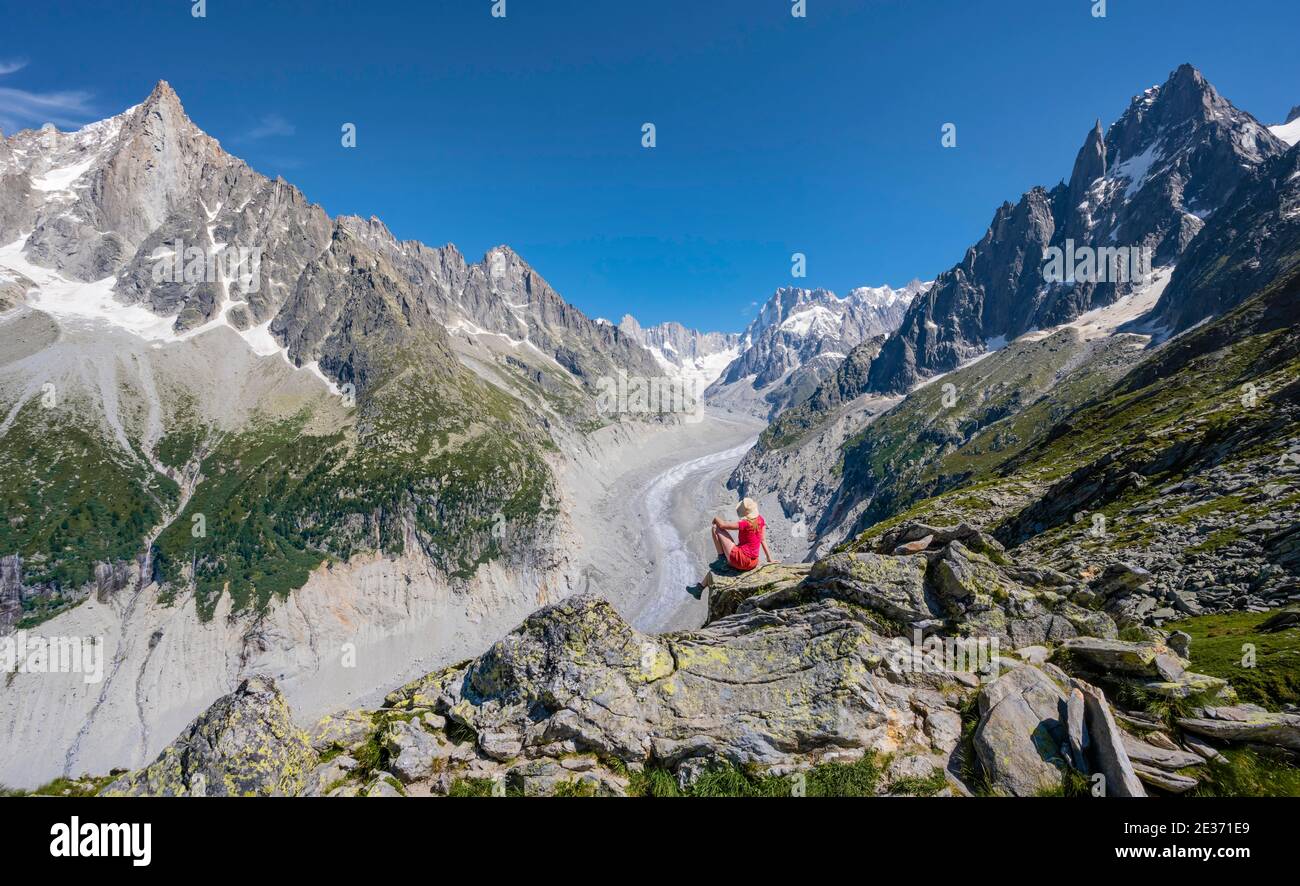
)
(1173, 782)
(1246, 722)
(967, 581)
(1152, 661)
(1121, 579)
(1165, 758)
(1022, 739)
(1107, 745)
(727, 593)
(414, 752)
(329, 776)
(245, 744)
(1189, 684)
(759, 687)
(548, 778)
(911, 533)
(384, 784)
(1077, 728)
(895, 587)
(343, 730)
(423, 692)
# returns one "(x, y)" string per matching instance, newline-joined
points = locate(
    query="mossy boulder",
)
(244, 745)
(1022, 739)
(728, 591)
(894, 587)
(764, 687)
(341, 731)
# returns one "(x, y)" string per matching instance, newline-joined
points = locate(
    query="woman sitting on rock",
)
(742, 554)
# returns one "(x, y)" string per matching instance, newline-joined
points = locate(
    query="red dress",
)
(744, 556)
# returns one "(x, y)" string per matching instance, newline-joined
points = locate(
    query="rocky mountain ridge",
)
(698, 358)
(840, 457)
(1147, 183)
(799, 338)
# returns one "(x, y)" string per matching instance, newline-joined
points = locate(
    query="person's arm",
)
(718, 523)
(766, 551)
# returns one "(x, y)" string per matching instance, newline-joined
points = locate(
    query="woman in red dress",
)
(741, 553)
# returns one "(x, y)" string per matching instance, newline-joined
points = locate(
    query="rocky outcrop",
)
(1108, 747)
(11, 591)
(755, 687)
(1284, 618)
(728, 592)
(1038, 723)
(244, 745)
(46, 598)
(1247, 722)
(1022, 737)
(1151, 667)
(799, 667)
(13, 289)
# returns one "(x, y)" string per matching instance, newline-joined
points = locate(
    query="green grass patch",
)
(86, 786)
(1219, 648)
(860, 778)
(1248, 773)
(926, 786)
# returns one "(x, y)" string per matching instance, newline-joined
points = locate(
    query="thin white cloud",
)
(21, 108)
(8, 67)
(269, 126)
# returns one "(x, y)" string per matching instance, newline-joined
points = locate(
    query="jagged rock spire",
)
(1090, 164)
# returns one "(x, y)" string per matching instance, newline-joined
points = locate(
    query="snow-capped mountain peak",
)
(1289, 130)
(801, 335)
(698, 358)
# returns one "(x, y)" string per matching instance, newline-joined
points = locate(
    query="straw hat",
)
(747, 508)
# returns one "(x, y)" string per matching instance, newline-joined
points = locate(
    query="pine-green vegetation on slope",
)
(71, 498)
(442, 460)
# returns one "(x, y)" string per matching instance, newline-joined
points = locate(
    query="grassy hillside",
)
(1187, 453)
(72, 497)
(443, 461)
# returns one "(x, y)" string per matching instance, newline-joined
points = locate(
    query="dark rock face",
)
(502, 294)
(108, 579)
(349, 308)
(11, 591)
(847, 383)
(1171, 160)
(1249, 243)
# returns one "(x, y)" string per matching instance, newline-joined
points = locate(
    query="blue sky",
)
(775, 134)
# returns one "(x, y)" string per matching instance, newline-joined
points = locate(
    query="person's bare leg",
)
(723, 541)
(717, 542)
